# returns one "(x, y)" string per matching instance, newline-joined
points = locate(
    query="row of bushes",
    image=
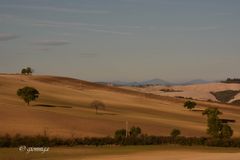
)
(39, 141)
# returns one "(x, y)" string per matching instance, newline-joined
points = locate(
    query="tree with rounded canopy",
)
(190, 105)
(97, 105)
(120, 134)
(135, 131)
(28, 94)
(175, 133)
(24, 71)
(27, 71)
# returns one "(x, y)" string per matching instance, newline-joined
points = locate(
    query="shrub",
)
(226, 131)
(40, 141)
(175, 133)
(190, 105)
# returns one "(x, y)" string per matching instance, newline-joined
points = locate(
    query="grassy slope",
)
(69, 113)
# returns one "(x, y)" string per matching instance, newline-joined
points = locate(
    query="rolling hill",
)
(154, 82)
(194, 91)
(63, 109)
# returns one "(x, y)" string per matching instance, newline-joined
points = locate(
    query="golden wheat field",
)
(63, 109)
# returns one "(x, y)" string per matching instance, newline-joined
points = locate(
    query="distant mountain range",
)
(155, 82)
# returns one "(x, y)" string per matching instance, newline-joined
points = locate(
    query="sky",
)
(126, 40)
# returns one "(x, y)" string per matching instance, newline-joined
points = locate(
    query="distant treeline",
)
(231, 80)
(40, 141)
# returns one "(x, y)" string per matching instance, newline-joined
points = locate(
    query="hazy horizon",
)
(125, 40)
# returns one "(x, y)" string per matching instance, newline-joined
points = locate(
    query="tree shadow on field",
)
(111, 114)
(49, 105)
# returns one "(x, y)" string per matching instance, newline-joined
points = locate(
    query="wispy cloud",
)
(48, 23)
(52, 42)
(85, 26)
(63, 24)
(205, 28)
(109, 31)
(56, 9)
(192, 29)
(7, 36)
(8, 16)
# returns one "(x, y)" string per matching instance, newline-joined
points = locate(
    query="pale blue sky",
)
(129, 40)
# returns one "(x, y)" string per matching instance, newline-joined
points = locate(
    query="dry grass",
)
(63, 109)
(196, 91)
(166, 152)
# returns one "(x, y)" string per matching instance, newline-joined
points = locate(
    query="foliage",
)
(190, 105)
(120, 134)
(28, 94)
(231, 80)
(135, 131)
(40, 140)
(27, 71)
(214, 123)
(226, 131)
(120, 138)
(216, 128)
(175, 133)
(97, 105)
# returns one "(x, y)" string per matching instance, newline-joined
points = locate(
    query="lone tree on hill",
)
(216, 128)
(28, 94)
(27, 71)
(175, 133)
(97, 105)
(190, 105)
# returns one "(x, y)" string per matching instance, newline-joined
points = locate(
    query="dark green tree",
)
(27, 71)
(120, 134)
(190, 105)
(97, 105)
(214, 123)
(226, 131)
(175, 133)
(28, 94)
(135, 131)
(216, 128)
(24, 71)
